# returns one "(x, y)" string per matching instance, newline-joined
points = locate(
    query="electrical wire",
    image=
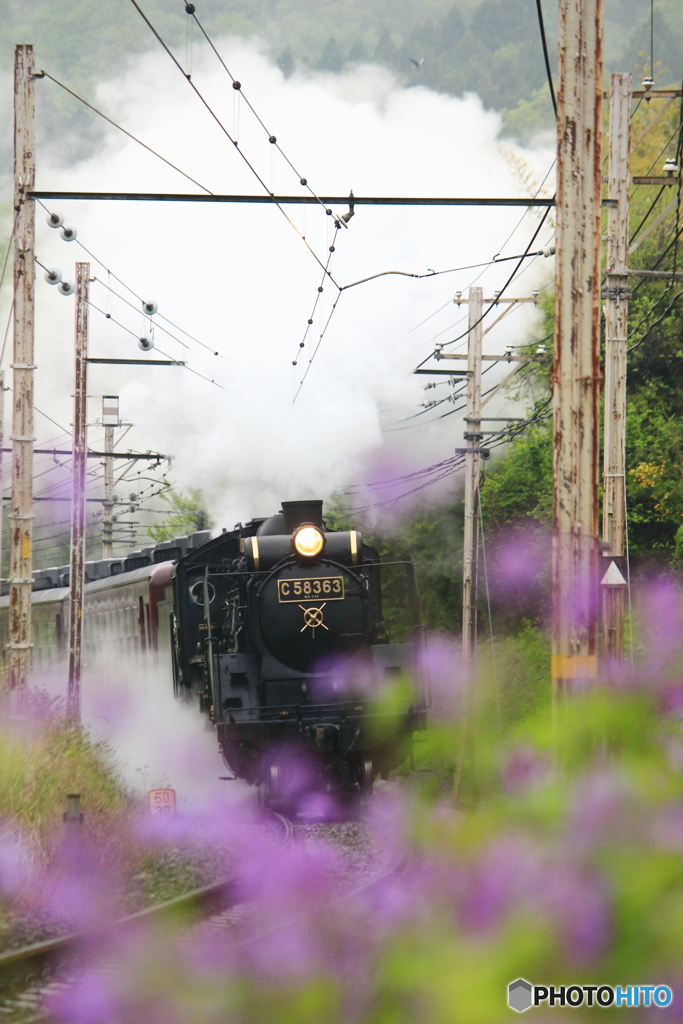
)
(132, 291)
(123, 327)
(546, 58)
(46, 74)
(237, 86)
(502, 290)
(227, 134)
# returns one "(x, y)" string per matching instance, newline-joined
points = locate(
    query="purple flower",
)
(440, 664)
(87, 999)
(523, 770)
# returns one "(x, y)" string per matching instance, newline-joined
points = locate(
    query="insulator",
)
(146, 343)
(68, 232)
(549, 251)
(53, 275)
(66, 287)
(132, 497)
(150, 308)
(55, 220)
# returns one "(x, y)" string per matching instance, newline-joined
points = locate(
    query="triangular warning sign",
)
(613, 577)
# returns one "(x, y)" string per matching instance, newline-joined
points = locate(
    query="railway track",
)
(46, 969)
(30, 974)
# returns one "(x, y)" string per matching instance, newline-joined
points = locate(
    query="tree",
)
(187, 515)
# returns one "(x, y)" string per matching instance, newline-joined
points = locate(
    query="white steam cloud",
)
(238, 278)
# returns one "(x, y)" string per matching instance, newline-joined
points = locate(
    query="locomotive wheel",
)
(274, 784)
(365, 775)
(270, 790)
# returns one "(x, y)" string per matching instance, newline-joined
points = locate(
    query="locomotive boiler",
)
(278, 630)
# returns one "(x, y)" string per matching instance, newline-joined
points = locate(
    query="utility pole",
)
(616, 332)
(473, 438)
(110, 420)
(21, 514)
(76, 578)
(576, 367)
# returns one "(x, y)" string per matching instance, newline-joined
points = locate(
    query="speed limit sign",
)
(161, 802)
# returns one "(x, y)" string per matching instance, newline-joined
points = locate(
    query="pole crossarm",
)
(194, 197)
(151, 456)
(136, 362)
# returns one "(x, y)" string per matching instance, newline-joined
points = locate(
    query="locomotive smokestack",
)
(297, 512)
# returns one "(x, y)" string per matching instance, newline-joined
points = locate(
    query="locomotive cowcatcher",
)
(278, 630)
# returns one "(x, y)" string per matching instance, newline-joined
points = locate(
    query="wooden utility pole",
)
(21, 514)
(76, 579)
(576, 367)
(473, 437)
(616, 332)
(2, 457)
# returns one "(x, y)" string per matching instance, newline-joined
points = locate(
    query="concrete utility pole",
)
(473, 438)
(110, 420)
(576, 367)
(76, 579)
(616, 332)
(21, 514)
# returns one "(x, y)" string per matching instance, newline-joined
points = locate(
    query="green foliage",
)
(187, 516)
(40, 766)
(432, 540)
(519, 485)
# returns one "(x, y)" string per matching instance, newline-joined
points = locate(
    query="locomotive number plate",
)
(331, 588)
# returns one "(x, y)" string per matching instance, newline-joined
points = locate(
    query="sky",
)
(241, 280)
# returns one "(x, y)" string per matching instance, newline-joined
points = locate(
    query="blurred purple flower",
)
(523, 769)
(520, 557)
(440, 664)
(14, 862)
(577, 903)
(88, 998)
(502, 878)
(662, 623)
(600, 808)
(80, 889)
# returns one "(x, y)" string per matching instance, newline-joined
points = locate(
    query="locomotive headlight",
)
(308, 541)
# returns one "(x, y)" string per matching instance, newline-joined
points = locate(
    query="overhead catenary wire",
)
(46, 74)
(227, 134)
(124, 284)
(546, 58)
(494, 259)
(238, 87)
(502, 290)
(123, 327)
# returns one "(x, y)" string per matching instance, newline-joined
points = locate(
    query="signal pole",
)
(576, 367)
(21, 514)
(473, 438)
(616, 331)
(76, 579)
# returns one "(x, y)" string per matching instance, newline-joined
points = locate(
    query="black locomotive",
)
(278, 628)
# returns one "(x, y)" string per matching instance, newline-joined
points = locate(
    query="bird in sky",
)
(418, 63)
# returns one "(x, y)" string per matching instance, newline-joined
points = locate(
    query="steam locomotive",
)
(276, 628)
